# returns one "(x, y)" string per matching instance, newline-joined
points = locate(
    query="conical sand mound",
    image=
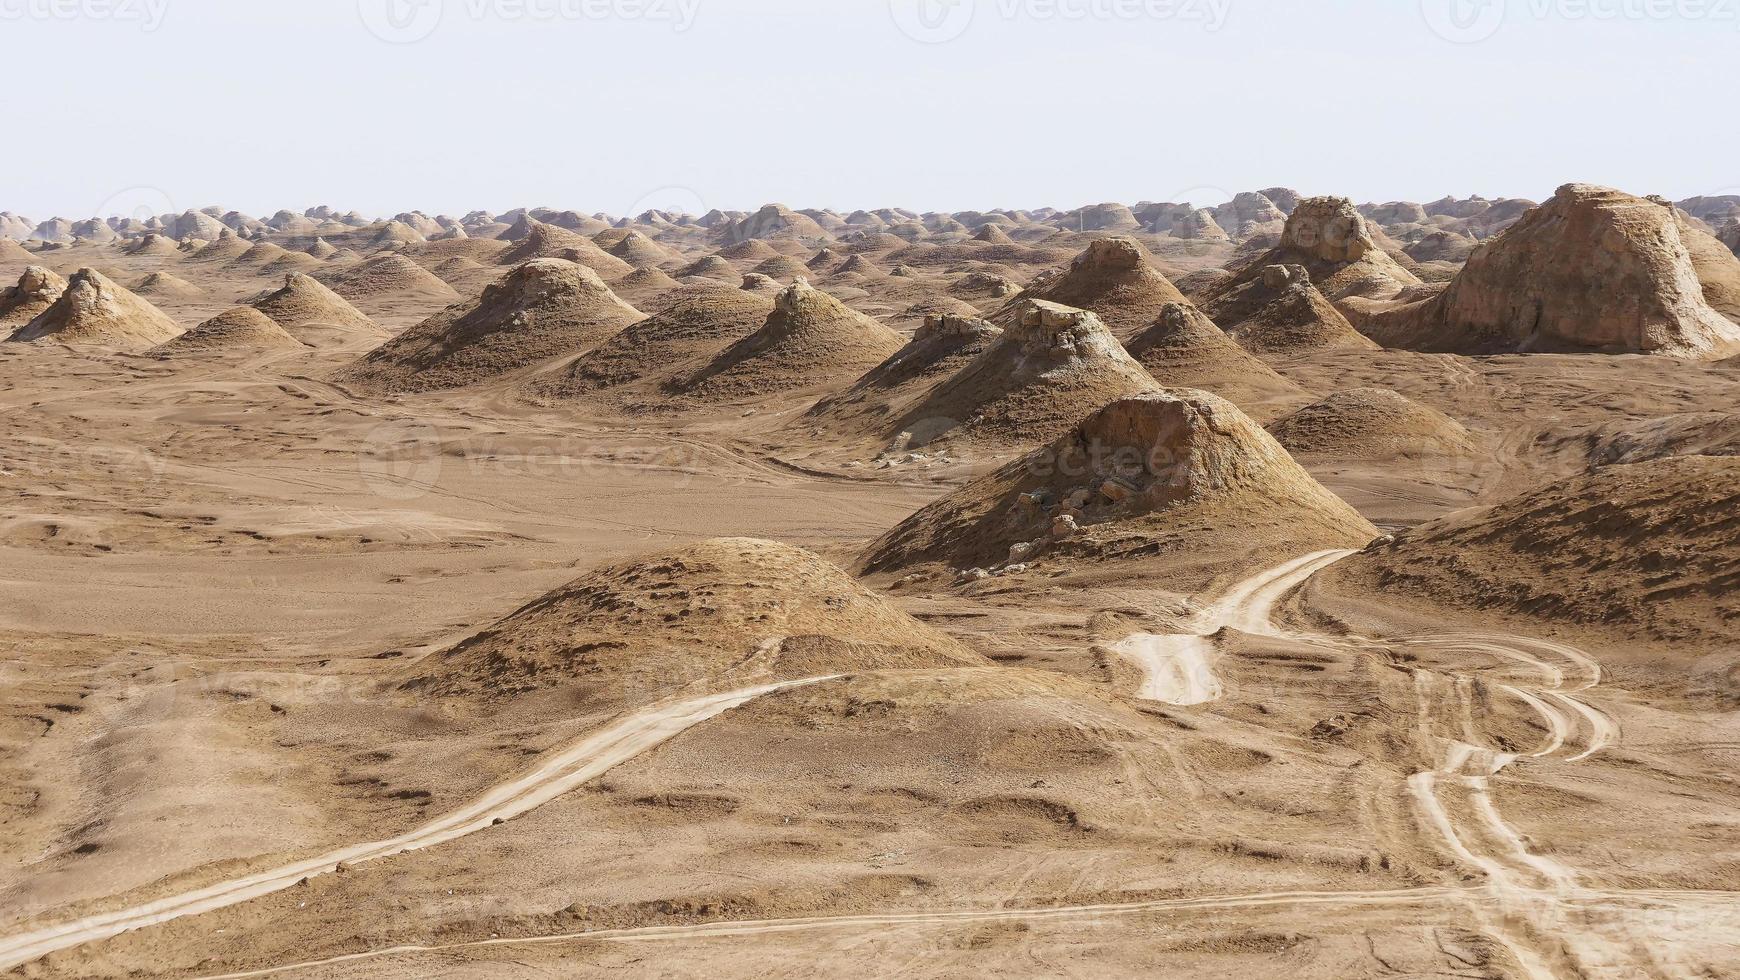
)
(543, 309)
(322, 249)
(36, 291)
(314, 314)
(1161, 472)
(782, 268)
(96, 311)
(634, 365)
(1591, 270)
(1052, 365)
(1184, 349)
(993, 234)
(163, 285)
(546, 241)
(696, 614)
(646, 288)
(877, 403)
(640, 251)
(1113, 280)
(155, 245)
(1370, 423)
(1647, 548)
(710, 267)
(291, 263)
(242, 329)
(749, 254)
(387, 281)
(12, 253)
(227, 247)
(809, 339)
(1281, 313)
(259, 254)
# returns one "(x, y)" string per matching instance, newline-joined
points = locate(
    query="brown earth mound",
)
(543, 309)
(635, 364)
(641, 252)
(95, 310)
(1338, 249)
(164, 285)
(1184, 349)
(387, 281)
(36, 291)
(314, 314)
(1052, 365)
(1716, 265)
(810, 338)
(227, 247)
(1281, 313)
(730, 611)
(240, 328)
(876, 404)
(1113, 280)
(1687, 434)
(1160, 472)
(1648, 548)
(1593, 269)
(644, 287)
(546, 241)
(1370, 423)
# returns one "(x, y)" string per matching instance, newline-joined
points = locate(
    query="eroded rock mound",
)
(1370, 423)
(1159, 472)
(540, 310)
(95, 310)
(1281, 312)
(634, 366)
(240, 328)
(1184, 349)
(164, 285)
(1648, 547)
(1339, 251)
(1113, 280)
(1051, 365)
(729, 612)
(1593, 269)
(877, 403)
(36, 291)
(809, 339)
(388, 280)
(314, 314)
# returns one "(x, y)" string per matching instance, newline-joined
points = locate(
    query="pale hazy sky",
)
(615, 105)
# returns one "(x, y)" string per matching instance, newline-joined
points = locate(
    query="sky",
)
(149, 106)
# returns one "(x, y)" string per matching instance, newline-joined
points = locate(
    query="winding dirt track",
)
(560, 773)
(1533, 904)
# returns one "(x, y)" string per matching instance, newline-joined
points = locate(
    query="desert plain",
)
(1285, 587)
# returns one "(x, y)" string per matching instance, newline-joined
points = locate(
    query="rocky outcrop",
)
(93, 310)
(540, 310)
(1160, 471)
(37, 289)
(1593, 269)
(1113, 279)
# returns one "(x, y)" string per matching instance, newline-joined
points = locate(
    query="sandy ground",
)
(215, 573)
